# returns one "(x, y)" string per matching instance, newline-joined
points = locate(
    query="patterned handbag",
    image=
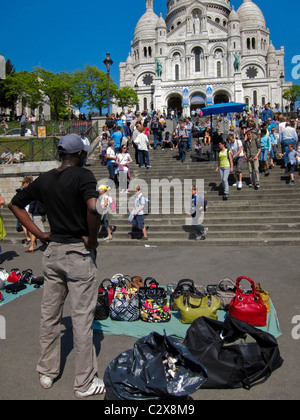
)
(154, 305)
(125, 309)
(125, 305)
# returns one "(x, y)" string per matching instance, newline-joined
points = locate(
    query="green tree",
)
(6, 100)
(126, 96)
(25, 86)
(91, 84)
(58, 88)
(292, 94)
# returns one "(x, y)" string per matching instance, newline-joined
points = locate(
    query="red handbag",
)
(248, 306)
(14, 276)
(109, 289)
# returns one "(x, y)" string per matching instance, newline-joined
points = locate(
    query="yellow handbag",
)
(265, 297)
(192, 308)
(2, 229)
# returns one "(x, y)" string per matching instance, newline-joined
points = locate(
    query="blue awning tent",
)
(224, 108)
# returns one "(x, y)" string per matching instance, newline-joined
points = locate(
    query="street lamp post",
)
(108, 63)
(281, 83)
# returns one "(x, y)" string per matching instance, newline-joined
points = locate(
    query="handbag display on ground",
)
(248, 306)
(235, 354)
(154, 305)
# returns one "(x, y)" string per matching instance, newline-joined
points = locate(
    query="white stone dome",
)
(146, 26)
(250, 15)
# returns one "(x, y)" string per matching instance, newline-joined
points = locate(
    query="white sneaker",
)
(205, 232)
(46, 382)
(240, 185)
(97, 387)
(235, 184)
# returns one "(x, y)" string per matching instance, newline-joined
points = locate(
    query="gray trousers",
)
(253, 167)
(69, 270)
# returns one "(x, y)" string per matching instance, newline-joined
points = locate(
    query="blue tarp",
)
(225, 108)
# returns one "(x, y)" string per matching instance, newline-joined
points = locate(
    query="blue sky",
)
(64, 35)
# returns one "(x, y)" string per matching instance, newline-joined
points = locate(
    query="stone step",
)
(228, 242)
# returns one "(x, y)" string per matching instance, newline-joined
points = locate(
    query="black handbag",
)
(235, 354)
(103, 303)
(15, 288)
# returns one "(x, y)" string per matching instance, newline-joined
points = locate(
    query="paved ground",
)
(276, 268)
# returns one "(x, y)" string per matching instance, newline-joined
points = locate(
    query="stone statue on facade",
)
(197, 25)
(158, 68)
(237, 62)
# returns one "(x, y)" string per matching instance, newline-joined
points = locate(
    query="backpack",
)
(154, 125)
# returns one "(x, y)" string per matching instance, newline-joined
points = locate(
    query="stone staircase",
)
(268, 216)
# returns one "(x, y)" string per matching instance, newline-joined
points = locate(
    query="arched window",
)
(145, 103)
(145, 52)
(150, 51)
(219, 69)
(253, 43)
(177, 72)
(255, 98)
(248, 43)
(198, 53)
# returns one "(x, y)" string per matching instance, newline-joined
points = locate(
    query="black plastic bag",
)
(235, 354)
(140, 374)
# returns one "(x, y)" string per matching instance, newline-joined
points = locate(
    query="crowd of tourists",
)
(256, 138)
(246, 141)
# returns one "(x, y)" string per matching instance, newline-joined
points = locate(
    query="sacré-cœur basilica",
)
(203, 52)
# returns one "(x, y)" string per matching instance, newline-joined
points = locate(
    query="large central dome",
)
(174, 4)
(251, 16)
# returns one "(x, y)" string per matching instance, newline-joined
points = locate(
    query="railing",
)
(34, 149)
(45, 149)
(56, 128)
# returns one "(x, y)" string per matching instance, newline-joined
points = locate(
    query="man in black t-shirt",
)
(69, 196)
